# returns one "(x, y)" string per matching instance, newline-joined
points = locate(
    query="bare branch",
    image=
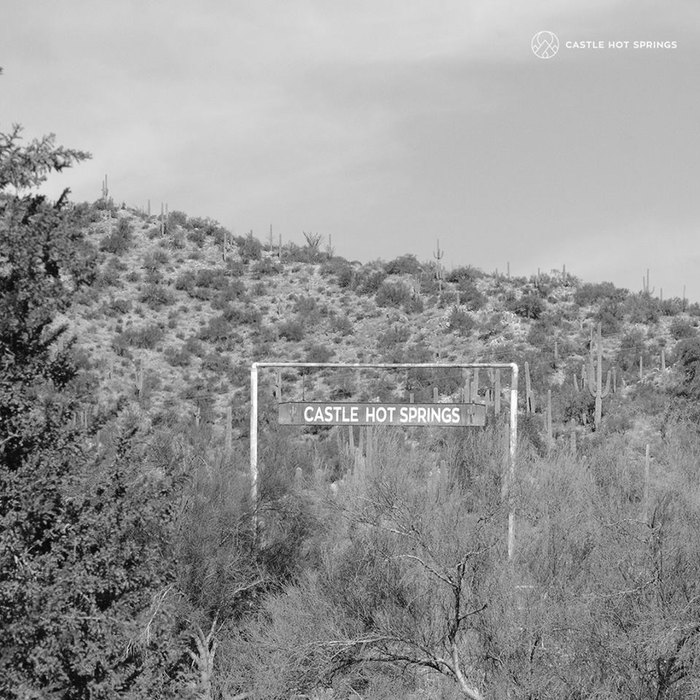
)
(468, 690)
(444, 578)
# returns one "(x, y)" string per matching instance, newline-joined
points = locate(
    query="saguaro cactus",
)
(138, 377)
(548, 421)
(225, 245)
(595, 380)
(438, 255)
(529, 407)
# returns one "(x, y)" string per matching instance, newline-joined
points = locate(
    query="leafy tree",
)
(632, 347)
(404, 265)
(527, 306)
(249, 248)
(81, 539)
(593, 293)
(682, 328)
(119, 240)
(392, 294)
(368, 280)
(461, 322)
(469, 295)
(464, 275)
(340, 268)
(643, 308)
(610, 315)
(687, 353)
(43, 260)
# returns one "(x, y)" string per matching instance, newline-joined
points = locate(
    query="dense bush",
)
(185, 281)
(154, 276)
(466, 274)
(120, 305)
(672, 307)
(177, 357)
(249, 248)
(144, 337)
(155, 296)
(305, 305)
(414, 305)
(155, 260)
(234, 291)
(292, 330)
(527, 306)
(492, 326)
(393, 294)
(469, 295)
(541, 334)
(396, 334)
(216, 362)
(218, 329)
(428, 283)
(339, 268)
(213, 277)
(196, 236)
(681, 328)
(632, 347)
(686, 357)
(342, 325)
(610, 315)
(119, 241)
(404, 265)
(642, 308)
(243, 315)
(593, 293)
(345, 277)
(264, 267)
(368, 281)
(319, 353)
(543, 284)
(107, 277)
(194, 346)
(177, 218)
(461, 322)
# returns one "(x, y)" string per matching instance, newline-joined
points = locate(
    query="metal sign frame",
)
(512, 366)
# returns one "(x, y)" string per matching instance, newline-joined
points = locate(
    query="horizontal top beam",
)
(384, 365)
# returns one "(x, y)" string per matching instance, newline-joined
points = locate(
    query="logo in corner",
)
(545, 44)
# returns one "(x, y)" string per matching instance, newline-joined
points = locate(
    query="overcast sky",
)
(384, 124)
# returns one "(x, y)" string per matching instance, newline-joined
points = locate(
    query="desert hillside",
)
(143, 557)
(180, 309)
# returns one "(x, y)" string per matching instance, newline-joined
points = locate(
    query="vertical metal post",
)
(511, 465)
(254, 435)
(497, 393)
(646, 484)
